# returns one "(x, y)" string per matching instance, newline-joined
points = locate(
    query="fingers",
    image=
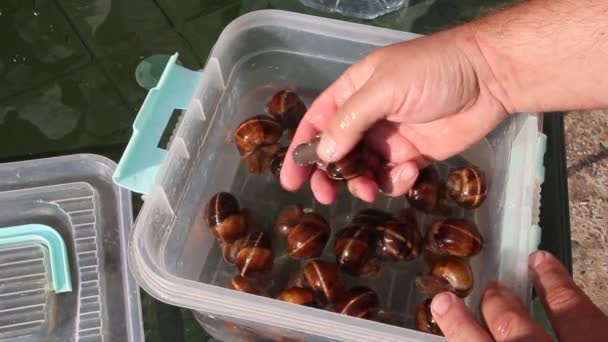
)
(572, 314)
(364, 187)
(507, 318)
(455, 319)
(349, 123)
(324, 189)
(384, 138)
(397, 180)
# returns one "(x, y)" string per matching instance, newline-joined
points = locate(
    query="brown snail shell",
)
(359, 301)
(398, 241)
(298, 295)
(447, 274)
(354, 250)
(308, 238)
(467, 186)
(428, 194)
(425, 321)
(458, 237)
(372, 217)
(287, 107)
(324, 278)
(225, 219)
(276, 164)
(257, 131)
(260, 160)
(306, 232)
(251, 253)
(248, 285)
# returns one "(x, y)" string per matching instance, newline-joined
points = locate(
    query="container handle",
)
(47, 236)
(142, 158)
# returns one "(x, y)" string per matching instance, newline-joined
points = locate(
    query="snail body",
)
(428, 194)
(251, 253)
(457, 237)
(256, 131)
(425, 321)
(359, 301)
(225, 219)
(467, 186)
(351, 166)
(447, 274)
(355, 252)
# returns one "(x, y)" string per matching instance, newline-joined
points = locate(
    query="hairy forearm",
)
(544, 55)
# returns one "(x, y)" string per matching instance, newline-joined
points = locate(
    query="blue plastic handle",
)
(47, 236)
(142, 158)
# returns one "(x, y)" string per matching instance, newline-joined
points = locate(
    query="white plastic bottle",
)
(364, 9)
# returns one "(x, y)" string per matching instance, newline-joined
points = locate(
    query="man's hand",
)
(572, 314)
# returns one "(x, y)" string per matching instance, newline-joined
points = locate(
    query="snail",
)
(276, 163)
(428, 194)
(252, 253)
(359, 301)
(306, 233)
(248, 285)
(351, 166)
(287, 107)
(467, 186)
(458, 237)
(399, 240)
(323, 277)
(258, 130)
(354, 250)
(424, 319)
(372, 217)
(262, 158)
(225, 219)
(298, 295)
(447, 274)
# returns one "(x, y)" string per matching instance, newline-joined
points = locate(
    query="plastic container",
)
(65, 211)
(363, 9)
(176, 259)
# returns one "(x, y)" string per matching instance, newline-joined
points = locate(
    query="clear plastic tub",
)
(176, 258)
(364, 9)
(75, 196)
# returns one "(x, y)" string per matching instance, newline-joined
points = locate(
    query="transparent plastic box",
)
(75, 197)
(363, 9)
(175, 257)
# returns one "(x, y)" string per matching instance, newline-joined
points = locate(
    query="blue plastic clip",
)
(47, 236)
(142, 158)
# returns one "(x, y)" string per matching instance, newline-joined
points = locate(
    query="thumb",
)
(353, 118)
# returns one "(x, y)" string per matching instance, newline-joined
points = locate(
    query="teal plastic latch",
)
(47, 236)
(142, 158)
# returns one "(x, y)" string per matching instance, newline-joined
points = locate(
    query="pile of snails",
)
(258, 138)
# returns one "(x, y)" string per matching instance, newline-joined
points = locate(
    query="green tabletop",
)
(70, 82)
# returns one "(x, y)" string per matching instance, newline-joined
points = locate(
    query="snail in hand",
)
(447, 274)
(351, 166)
(467, 186)
(225, 219)
(458, 237)
(425, 321)
(306, 233)
(354, 250)
(359, 301)
(251, 254)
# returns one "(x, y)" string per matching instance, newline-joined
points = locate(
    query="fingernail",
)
(327, 147)
(402, 174)
(441, 303)
(537, 258)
